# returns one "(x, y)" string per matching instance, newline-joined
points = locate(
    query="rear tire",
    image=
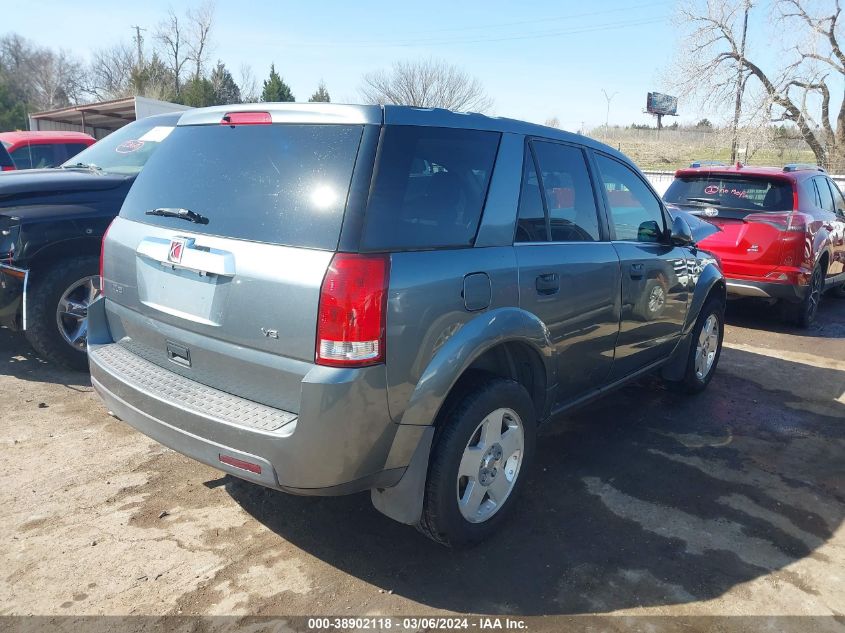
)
(705, 349)
(50, 286)
(804, 313)
(476, 471)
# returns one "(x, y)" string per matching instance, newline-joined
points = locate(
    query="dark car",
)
(51, 226)
(328, 299)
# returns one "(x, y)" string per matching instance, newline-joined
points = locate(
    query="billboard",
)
(659, 103)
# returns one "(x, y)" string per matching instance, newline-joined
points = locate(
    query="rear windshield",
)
(284, 184)
(429, 188)
(731, 192)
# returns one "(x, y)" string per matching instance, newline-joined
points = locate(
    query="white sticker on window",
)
(157, 134)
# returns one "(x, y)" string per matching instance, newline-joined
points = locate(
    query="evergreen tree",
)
(275, 89)
(322, 95)
(198, 93)
(226, 91)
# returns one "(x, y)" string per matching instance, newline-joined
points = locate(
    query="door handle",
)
(547, 284)
(636, 271)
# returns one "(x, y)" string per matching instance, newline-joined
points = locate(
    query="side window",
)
(34, 156)
(429, 188)
(838, 199)
(568, 193)
(824, 193)
(531, 219)
(72, 149)
(635, 211)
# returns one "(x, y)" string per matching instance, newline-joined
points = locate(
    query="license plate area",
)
(187, 294)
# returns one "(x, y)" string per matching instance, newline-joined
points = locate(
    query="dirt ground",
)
(646, 502)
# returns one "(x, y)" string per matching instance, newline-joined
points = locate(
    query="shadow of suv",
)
(326, 299)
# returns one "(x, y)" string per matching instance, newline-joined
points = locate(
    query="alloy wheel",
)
(490, 465)
(72, 311)
(708, 345)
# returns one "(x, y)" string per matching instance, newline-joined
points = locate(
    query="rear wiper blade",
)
(184, 214)
(712, 201)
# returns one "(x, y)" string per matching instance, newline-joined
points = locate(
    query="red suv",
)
(782, 230)
(35, 150)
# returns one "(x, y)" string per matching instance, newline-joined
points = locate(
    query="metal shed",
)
(100, 119)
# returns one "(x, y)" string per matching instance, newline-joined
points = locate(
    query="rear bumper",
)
(341, 441)
(765, 290)
(13, 283)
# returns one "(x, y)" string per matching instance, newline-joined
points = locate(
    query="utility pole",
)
(739, 83)
(609, 98)
(139, 43)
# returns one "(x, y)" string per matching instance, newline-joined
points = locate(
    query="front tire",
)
(482, 450)
(57, 311)
(705, 350)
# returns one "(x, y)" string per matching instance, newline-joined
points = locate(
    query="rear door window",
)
(531, 218)
(282, 183)
(430, 186)
(838, 200)
(825, 197)
(568, 193)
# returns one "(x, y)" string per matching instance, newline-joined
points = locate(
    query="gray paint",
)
(358, 429)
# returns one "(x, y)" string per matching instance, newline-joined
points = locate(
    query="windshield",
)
(731, 192)
(125, 151)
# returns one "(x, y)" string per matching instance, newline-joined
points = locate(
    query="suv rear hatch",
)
(750, 211)
(213, 268)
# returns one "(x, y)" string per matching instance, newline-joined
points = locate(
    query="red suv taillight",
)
(102, 253)
(7, 168)
(790, 221)
(351, 316)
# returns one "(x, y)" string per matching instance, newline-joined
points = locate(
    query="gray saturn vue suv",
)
(326, 299)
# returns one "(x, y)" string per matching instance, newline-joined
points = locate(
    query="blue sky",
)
(537, 60)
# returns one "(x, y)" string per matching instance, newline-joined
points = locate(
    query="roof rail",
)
(802, 167)
(707, 163)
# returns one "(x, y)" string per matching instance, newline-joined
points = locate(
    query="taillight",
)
(102, 254)
(786, 221)
(7, 168)
(247, 118)
(351, 317)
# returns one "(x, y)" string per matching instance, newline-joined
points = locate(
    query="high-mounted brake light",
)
(102, 257)
(351, 317)
(246, 118)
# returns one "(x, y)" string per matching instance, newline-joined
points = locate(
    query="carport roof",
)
(109, 115)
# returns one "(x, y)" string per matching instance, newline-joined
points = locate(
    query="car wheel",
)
(57, 311)
(705, 350)
(804, 313)
(483, 447)
(652, 302)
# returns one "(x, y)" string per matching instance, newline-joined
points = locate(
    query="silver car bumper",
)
(338, 443)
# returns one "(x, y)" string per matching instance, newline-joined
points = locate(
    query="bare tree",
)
(200, 21)
(41, 78)
(170, 34)
(112, 71)
(798, 89)
(428, 84)
(248, 84)
(552, 122)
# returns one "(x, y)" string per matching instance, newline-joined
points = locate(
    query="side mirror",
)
(681, 234)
